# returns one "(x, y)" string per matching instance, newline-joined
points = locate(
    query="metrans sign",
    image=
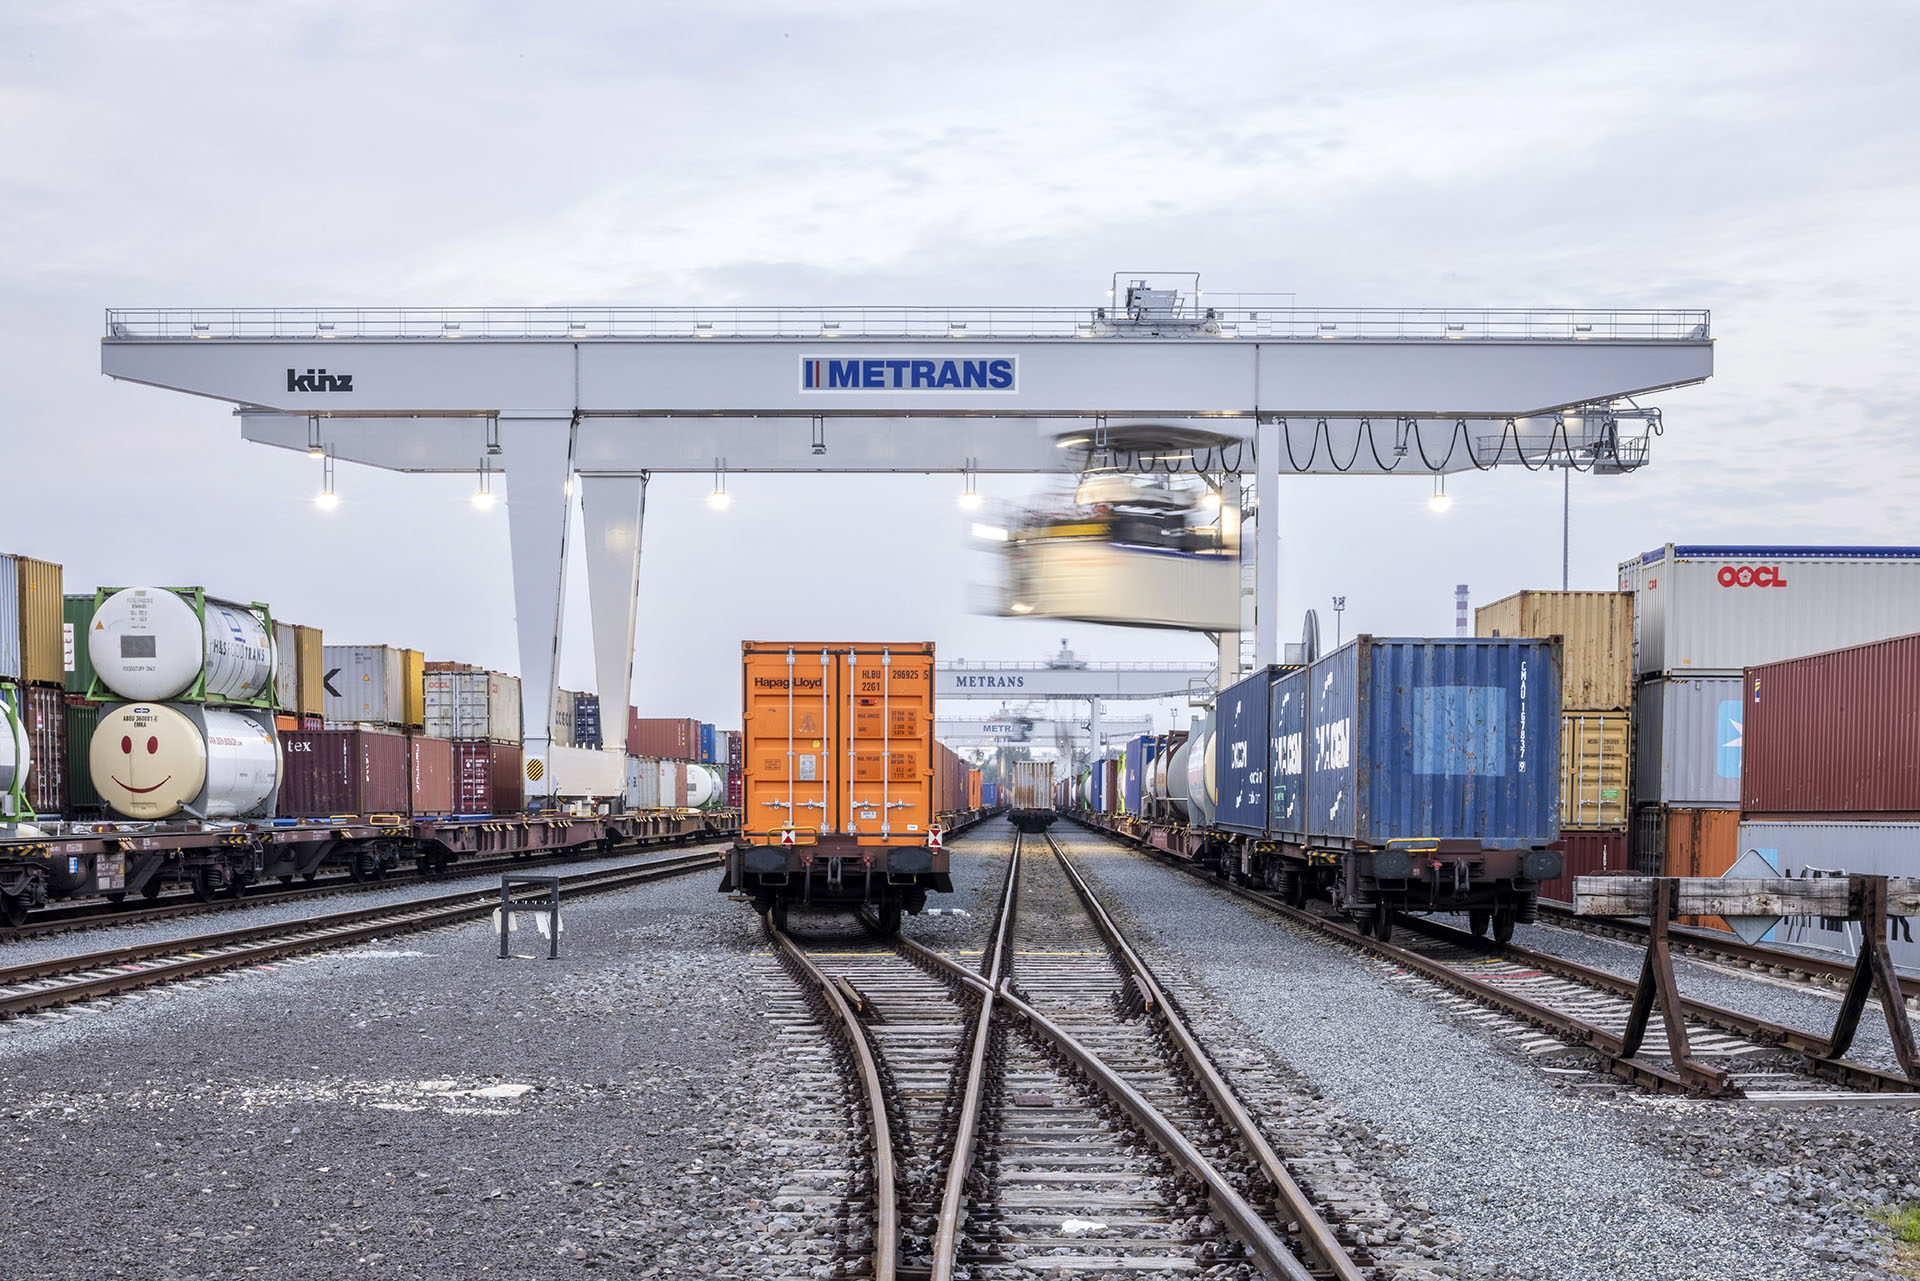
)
(982, 375)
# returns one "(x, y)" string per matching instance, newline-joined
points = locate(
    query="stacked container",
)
(1702, 615)
(1830, 778)
(566, 706)
(1596, 719)
(32, 680)
(664, 739)
(478, 713)
(364, 685)
(736, 780)
(586, 722)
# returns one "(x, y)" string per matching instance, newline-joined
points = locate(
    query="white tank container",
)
(703, 785)
(148, 644)
(1176, 776)
(1200, 794)
(16, 757)
(152, 761)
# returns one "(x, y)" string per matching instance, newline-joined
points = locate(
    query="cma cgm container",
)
(1721, 609)
(1596, 641)
(843, 778)
(1688, 742)
(360, 770)
(1242, 751)
(1421, 740)
(1835, 735)
(364, 685)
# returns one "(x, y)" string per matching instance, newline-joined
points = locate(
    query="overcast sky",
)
(1756, 159)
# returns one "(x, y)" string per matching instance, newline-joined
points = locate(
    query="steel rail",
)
(953, 1204)
(1764, 1031)
(1233, 1210)
(1292, 1201)
(1752, 954)
(253, 945)
(92, 916)
(886, 1235)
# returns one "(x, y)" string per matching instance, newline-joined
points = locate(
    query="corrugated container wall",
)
(1701, 842)
(364, 685)
(42, 615)
(1720, 609)
(1596, 633)
(586, 721)
(1419, 739)
(486, 778)
(78, 612)
(430, 774)
(1835, 734)
(1687, 742)
(413, 670)
(565, 708)
(9, 618)
(286, 667)
(662, 738)
(1242, 750)
(312, 697)
(333, 772)
(1596, 770)
(1032, 785)
(83, 798)
(44, 715)
(503, 709)
(1870, 848)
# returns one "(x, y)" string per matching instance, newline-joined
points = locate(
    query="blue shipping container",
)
(586, 721)
(1431, 740)
(1241, 751)
(1286, 766)
(989, 795)
(1134, 760)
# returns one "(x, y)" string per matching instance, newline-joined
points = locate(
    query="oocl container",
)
(152, 761)
(1720, 609)
(154, 644)
(1596, 635)
(1834, 734)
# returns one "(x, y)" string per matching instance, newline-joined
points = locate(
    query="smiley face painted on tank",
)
(127, 747)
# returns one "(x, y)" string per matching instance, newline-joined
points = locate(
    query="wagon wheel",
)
(13, 911)
(1503, 920)
(1383, 920)
(1477, 920)
(204, 884)
(151, 890)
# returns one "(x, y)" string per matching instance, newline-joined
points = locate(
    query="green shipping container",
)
(79, 667)
(82, 717)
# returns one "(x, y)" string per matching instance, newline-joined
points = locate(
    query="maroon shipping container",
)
(1589, 854)
(430, 774)
(43, 711)
(336, 772)
(1834, 734)
(675, 739)
(313, 722)
(486, 778)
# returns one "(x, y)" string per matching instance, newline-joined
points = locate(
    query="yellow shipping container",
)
(1596, 633)
(1596, 755)
(310, 694)
(413, 670)
(43, 644)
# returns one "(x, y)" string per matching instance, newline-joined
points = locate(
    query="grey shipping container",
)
(363, 685)
(1800, 846)
(563, 707)
(643, 783)
(286, 667)
(1687, 742)
(503, 708)
(1719, 609)
(9, 619)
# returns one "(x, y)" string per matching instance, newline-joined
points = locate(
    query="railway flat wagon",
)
(840, 798)
(1033, 808)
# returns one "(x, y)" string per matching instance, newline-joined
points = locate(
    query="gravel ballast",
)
(1535, 1175)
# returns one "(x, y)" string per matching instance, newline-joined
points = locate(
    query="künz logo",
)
(318, 380)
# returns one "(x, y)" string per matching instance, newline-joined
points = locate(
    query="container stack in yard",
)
(32, 687)
(1704, 614)
(1596, 720)
(1830, 774)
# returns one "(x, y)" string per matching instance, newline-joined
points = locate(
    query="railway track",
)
(61, 981)
(1587, 1008)
(102, 913)
(1724, 949)
(1051, 1109)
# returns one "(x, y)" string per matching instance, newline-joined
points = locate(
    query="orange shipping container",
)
(973, 789)
(1702, 843)
(811, 709)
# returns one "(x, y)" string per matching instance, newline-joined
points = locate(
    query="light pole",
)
(1566, 518)
(1339, 608)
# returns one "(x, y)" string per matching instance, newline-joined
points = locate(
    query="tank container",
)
(1834, 734)
(1721, 609)
(703, 787)
(364, 685)
(155, 760)
(159, 644)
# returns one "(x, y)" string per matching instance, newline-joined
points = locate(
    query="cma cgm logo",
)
(318, 380)
(979, 374)
(1751, 576)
